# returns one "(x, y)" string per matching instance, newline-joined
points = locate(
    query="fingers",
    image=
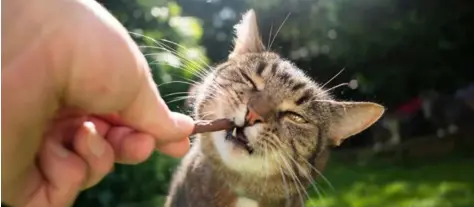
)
(68, 172)
(157, 119)
(175, 149)
(130, 146)
(105, 81)
(95, 151)
(64, 174)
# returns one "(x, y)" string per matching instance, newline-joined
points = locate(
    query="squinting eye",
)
(295, 117)
(248, 79)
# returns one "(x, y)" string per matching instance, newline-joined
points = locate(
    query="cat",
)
(270, 158)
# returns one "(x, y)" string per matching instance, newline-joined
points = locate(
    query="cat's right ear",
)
(247, 36)
(350, 118)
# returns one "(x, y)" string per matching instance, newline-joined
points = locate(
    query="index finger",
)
(110, 75)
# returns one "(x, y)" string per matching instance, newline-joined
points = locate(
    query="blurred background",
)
(414, 57)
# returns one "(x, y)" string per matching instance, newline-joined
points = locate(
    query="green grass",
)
(442, 183)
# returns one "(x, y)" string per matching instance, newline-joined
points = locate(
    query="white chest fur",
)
(245, 202)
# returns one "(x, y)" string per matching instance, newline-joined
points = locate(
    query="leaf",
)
(187, 27)
(175, 9)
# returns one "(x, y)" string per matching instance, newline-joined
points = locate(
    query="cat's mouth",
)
(237, 136)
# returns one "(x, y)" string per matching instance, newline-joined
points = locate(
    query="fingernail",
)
(183, 121)
(95, 142)
(58, 150)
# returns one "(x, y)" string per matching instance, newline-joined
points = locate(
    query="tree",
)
(394, 48)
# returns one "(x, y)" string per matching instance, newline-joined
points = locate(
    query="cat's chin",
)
(238, 158)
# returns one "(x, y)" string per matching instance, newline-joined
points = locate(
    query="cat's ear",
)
(247, 36)
(351, 118)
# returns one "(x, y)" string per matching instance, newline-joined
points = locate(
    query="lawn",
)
(447, 182)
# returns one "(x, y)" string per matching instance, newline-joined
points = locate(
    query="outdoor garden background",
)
(390, 49)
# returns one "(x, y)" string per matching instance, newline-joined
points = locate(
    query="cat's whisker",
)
(202, 61)
(270, 36)
(190, 81)
(169, 49)
(155, 62)
(289, 156)
(299, 186)
(205, 115)
(190, 94)
(311, 168)
(198, 70)
(228, 96)
(216, 90)
(335, 87)
(151, 39)
(291, 171)
(176, 99)
(200, 76)
(286, 184)
(335, 76)
(265, 156)
(279, 28)
(175, 81)
(311, 180)
(181, 68)
(318, 172)
(184, 97)
(269, 145)
(195, 69)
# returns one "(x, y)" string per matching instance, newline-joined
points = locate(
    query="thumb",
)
(119, 81)
(171, 128)
(157, 119)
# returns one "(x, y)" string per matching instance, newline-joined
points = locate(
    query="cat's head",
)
(301, 119)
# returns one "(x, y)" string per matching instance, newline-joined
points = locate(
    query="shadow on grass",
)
(447, 182)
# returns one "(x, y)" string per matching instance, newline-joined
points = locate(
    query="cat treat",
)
(202, 126)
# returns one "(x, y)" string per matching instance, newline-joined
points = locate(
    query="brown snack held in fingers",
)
(202, 126)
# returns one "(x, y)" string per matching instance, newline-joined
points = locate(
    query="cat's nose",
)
(253, 117)
(259, 109)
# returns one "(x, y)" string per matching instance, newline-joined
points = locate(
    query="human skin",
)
(77, 96)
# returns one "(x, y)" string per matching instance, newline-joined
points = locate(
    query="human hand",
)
(77, 96)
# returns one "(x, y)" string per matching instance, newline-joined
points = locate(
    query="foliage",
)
(393, 48)
(446, 182)
(170, 42)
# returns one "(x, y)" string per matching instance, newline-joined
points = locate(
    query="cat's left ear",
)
(351, 118)
(247, 36)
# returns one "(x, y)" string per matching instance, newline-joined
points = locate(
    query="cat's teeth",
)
(234, 132)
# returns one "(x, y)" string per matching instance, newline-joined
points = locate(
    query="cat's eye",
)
(294, 117)
(248, 79)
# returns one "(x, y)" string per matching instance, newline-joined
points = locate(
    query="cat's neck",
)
(266, 191)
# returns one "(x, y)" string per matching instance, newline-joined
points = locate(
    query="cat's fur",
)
(288, 147)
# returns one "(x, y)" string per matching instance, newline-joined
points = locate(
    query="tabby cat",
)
(268, 159)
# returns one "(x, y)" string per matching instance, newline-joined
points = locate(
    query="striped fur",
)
(290, 147)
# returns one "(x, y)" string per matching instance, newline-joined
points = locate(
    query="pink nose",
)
(253, 116)
(259, 108)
